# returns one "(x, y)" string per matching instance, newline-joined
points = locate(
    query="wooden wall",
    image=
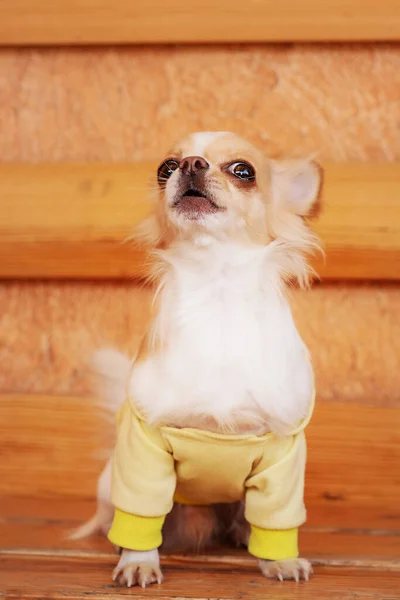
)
(338, 102)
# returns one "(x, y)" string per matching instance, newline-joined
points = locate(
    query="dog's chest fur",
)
(231, 356)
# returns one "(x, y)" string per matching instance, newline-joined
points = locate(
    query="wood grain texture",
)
(335, 532)
(118, 105)
(358, 227)
(53, 448)
(34, 577)
(101, 22)
(336, 102)
(46, 534)
(61, 445)
(55, 218)
(75, 221)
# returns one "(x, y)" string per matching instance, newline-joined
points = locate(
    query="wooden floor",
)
(352, 535)
(38, 562)
(61, 577)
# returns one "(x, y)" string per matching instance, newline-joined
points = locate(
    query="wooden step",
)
(153, 21)
(61, 445)
(52, 449)
(41, 526)
(39, 577)
(82, 234)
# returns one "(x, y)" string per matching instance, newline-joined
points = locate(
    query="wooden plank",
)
(60, 454)
(354, 453)
(59, 445)
(68, 512)
(360, 222)
(153, 21)
(46, 534)
(71, 221)
(41, 525)
(77, 578)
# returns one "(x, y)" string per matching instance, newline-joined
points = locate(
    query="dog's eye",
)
(166, 169)
(242, 170)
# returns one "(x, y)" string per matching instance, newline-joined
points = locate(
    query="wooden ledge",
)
(153, 21)
(60, 577)
(348, 478)
(73, 221)
(352, 532)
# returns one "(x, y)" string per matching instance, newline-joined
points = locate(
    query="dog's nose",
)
(192, 164)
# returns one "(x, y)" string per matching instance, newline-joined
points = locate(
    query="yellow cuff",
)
(136, 533)
(273, 544)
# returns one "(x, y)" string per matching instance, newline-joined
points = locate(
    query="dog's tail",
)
(102, 519)
(99, 523)
(111, 369)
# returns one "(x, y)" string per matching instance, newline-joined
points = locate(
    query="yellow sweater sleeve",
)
(143, 483)
(136, 533)
(274, 501)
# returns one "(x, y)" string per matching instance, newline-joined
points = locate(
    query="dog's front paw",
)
(138, 574)
(138, 568)
(290, 568)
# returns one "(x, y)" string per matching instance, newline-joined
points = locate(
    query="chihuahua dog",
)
(211, 434)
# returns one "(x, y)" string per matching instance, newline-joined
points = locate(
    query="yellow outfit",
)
(154, 465)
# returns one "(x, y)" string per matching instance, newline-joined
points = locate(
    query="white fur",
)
(199, 141)
(102, 519)
(231, 349)
(131, 556)
(113, 368)
(138, 568)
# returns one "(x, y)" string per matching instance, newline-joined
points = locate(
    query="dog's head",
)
(220, 184)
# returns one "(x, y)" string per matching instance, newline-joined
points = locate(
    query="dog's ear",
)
(296, 186)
